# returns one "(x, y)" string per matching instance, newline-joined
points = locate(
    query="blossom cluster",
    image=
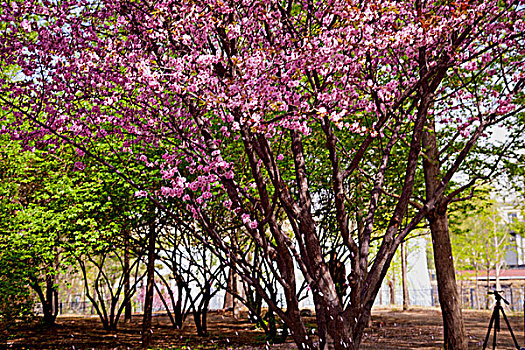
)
(190, 78)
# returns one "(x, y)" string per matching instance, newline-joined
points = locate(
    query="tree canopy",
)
(272, 109)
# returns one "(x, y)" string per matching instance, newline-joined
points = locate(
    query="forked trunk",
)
(49, 300)
(453, 325)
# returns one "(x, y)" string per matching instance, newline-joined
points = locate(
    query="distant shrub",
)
(16, 300)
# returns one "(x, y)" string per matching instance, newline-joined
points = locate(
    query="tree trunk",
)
(406, 297)
(127, 289)
(148, 298)
(236, 288)
(231, 286)
(476, 295)
(454, 328)
(392, 290)
(50, 304)
(228, 297)
(49, 300)
(177, 310)
(200, 315)
(498, 264)
(497, 271)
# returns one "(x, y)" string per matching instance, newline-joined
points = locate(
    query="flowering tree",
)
(273, 109)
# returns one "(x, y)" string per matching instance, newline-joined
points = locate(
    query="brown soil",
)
(419, 328)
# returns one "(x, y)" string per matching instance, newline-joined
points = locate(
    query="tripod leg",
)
(488, 331)
(494, 339)
(497, 326)
(510, 329)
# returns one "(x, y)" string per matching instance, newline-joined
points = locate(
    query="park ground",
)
(417, 328)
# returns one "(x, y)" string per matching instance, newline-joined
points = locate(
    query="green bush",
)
(16, 301)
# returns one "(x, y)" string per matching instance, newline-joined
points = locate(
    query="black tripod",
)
(495, 320)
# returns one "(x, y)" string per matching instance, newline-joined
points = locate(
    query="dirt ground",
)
(418, 328)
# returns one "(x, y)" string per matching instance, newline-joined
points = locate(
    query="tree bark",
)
(49, 300)
(454, 328)
(392, 289)
(148, 298)
(127, 289)
(476, 296)
(231, 290)
(50, 307)
(406, 297)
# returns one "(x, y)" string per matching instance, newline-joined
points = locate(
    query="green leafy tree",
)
(15, 266)
(480, 236)
(56, 207)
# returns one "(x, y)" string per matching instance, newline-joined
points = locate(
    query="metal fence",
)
(472, 297)
(72, 307)
(477, 297)
(85, 307)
